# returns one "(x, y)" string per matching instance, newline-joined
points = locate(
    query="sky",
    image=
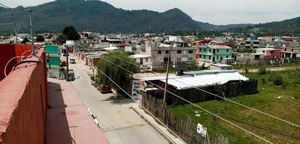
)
(212, 11)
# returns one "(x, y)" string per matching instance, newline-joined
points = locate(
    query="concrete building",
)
(144, 61)
(53, 57)
(179, 56)
(290, 52)
(215, 53)
(245, 58)
(267, 54)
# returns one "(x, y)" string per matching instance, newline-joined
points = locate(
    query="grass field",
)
(281, 101)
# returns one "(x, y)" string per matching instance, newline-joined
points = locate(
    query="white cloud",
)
(213, 11)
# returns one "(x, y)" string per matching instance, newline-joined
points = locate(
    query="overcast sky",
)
(212, 11)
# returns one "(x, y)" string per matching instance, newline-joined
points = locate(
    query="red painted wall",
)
(276, 54)
(9, 51)
(23, 96)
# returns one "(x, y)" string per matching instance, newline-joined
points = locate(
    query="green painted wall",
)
(209, 54)
(52, 49)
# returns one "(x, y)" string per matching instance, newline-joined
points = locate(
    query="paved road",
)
(271, 69)
(118, 122)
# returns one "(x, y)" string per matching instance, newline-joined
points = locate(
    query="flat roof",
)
(206, 79)
(221, 65)
(136, 56)
(199, 78)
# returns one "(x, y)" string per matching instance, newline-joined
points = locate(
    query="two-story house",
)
(180, 55)
(214, 53)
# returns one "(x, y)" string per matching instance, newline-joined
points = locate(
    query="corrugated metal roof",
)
(203, 80)
(199, 78)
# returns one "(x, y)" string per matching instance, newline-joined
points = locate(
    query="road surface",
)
(119, 123)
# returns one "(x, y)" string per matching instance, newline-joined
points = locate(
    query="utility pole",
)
(67, 56)
(167, 76)
(31, 33)
(15, 25)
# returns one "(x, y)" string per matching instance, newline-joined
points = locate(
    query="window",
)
(200, 56)
(190, 59)
(227, 50)
(146, 59)
(167, 52)
(292, 49)
(257, 57)
(165, 59)
(226, 56)
(271, 52)
(209, 57)
(263, 51)
(159, 52)
(204, 50)
(190, 51)
(179, 51)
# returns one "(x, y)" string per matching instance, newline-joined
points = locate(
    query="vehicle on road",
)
(72, 61)
(71, 75)
(104, 89)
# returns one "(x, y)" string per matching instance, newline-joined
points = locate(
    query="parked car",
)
(145, 68)
(71, 75)
(104, 89)
(72, 61)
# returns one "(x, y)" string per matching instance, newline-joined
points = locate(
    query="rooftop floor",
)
(68, 120)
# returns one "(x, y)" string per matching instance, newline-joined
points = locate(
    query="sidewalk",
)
(68, 120)
(170, 136)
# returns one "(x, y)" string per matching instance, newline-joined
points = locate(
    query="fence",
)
(183, 126)
(230, 89)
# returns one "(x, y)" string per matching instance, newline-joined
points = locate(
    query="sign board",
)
(135, 88)
(201, 130)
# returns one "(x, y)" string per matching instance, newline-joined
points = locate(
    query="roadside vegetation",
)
(279, 95)
(118, 75)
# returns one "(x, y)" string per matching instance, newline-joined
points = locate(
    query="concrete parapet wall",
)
(23, 103)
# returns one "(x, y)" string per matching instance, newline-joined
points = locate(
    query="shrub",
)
(92, 78)
(278, 80)
(246, 70)
(262, 70)
(263, 81)
(284, 85)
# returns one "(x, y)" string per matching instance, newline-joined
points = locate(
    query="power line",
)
(263, 128)
(9, 23)
(207, 111)
(141, 106)
(240, 104)
(253, 125)
(4, 6)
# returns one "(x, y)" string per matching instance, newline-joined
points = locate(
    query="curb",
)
(154, 126)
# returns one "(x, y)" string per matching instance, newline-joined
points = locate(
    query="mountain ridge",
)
(99, 16)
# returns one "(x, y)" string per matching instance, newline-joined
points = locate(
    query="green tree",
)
(71, 33)
(40, 38)
(61, 39)
(25, 40)
(118, 75)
